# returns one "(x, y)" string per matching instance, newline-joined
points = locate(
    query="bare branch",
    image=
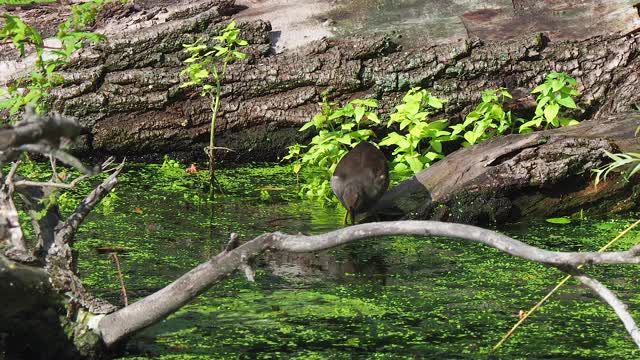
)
(60, 155)
(158, 305)
(610, 298)
(71, 185)
(12, 173)
(67, 232)
(10, 228)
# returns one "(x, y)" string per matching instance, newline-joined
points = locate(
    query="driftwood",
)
(116, 326)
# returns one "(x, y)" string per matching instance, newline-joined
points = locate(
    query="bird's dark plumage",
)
(360, 179)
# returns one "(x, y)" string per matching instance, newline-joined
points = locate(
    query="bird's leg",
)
(346, 216)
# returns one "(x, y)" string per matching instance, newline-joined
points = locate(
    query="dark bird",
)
(360, 179)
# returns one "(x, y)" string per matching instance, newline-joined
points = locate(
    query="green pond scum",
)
(394, 298)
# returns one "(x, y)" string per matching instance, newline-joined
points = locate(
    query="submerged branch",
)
(155, 307)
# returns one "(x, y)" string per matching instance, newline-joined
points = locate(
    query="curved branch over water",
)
(155, 307)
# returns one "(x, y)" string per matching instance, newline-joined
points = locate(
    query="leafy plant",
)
(338, 131)
(32, 90)
(559, 220)
(171, 168)
(202, 64)
(619, 163)
(420, 143)
(554, 95)
(487, 120)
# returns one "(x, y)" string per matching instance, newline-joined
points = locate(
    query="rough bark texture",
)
(126, 91)
(520, 176)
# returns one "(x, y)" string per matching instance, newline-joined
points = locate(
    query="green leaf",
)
(239, 55)
(373, 117)
(559, 220)
(359, 113)
(345, 139)
(568, 122)
(458, 128)
(567, 102)
(415, 164)
(306, 126)
(436, 145)
(542, 88)
(557, 84)
(470, 137)
(434, 102)
(400, 167)
(551, 112)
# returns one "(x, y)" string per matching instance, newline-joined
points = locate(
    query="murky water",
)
(395, 298)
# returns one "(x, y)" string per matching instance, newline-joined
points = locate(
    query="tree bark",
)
(515, 177)
(127, 93)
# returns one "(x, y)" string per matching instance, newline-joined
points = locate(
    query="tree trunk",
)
(127, 93)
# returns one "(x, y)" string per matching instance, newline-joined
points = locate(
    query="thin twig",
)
(555, 288)
(54, 170)
(123, 289)
(12, 172)
(70, 185)
(90, 201)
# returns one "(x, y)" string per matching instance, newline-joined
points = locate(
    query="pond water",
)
(394, 298)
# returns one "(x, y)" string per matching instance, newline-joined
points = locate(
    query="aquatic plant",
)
(201, 65)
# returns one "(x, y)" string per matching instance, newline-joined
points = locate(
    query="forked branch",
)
(155, 307)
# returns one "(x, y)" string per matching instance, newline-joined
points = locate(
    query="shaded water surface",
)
(394, 298)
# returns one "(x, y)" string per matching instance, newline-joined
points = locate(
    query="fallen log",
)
(514, 177)
(126, 91)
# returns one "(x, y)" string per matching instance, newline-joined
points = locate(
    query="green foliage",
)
(559, 220)
(419, 142)
(416, 141)
(620, 162)
(554, 95)
(487, 120)
(171, 168)
(203, 63)
(338, 130)
(33, 90)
